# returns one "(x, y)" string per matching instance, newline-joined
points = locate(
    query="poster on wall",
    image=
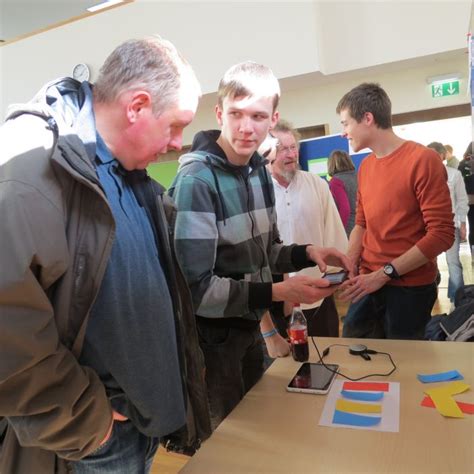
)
(314, 153)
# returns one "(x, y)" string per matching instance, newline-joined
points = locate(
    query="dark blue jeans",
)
(126, 452)
(234, 364)
(393, 312)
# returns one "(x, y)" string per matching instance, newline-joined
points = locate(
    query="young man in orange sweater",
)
(404, 221)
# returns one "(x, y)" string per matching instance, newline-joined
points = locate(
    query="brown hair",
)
(368, 97)
(449, 148)
(248, 79)
(438, 147)
(339, 160)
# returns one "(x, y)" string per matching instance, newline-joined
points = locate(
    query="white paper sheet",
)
(390, 408)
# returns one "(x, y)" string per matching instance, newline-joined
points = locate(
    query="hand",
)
(115, 416)
(462, 232)
(302, 289)
(361, 285)
(277, 346)
(329, 256)
(355, 260)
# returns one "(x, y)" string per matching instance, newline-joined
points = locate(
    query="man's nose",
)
(246, 124)
(176, 142)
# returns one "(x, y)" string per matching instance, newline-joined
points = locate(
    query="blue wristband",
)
(270, 333)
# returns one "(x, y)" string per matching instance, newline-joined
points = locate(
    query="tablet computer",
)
(313, 378)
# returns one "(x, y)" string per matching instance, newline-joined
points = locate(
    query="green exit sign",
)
(444, 89)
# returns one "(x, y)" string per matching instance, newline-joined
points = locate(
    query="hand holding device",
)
(336, 278)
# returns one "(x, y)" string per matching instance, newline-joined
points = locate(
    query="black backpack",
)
(457, 325)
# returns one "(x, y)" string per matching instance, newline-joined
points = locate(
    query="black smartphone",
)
(336, 278)
(313, 378)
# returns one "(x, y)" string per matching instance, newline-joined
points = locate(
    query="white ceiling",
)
(23, 17)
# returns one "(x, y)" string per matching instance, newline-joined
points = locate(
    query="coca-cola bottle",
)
(299, 335)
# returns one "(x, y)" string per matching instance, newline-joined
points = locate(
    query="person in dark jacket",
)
(466, 167)
(228, 240)
(98, 342)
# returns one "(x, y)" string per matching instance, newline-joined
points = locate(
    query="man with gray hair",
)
(98, 342)
(306, 213)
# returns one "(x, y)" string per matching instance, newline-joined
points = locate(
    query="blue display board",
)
(314, 153)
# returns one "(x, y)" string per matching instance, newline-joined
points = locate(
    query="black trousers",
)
(470, 218)
(234, 364)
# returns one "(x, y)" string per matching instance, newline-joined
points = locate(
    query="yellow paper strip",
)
(449, 389)
(354, 407)
(443, 400)
(447, 406)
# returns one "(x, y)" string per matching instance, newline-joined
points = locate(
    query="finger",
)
(117, 416)
(320, 283)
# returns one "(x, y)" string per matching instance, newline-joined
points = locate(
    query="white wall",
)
(315, 103)
(212, 36)
(297, 39)
(358, 34)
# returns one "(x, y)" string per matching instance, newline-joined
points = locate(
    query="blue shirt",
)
(131, 337)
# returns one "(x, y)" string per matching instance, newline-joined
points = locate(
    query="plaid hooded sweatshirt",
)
(226, 234)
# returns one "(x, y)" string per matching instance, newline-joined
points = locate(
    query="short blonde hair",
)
(249, 79)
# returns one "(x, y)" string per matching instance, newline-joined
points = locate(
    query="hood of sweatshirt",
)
(206, 149)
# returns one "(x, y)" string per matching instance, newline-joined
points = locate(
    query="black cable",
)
(368, 351)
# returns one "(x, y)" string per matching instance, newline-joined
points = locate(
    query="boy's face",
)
(357, 133)
(245, 122)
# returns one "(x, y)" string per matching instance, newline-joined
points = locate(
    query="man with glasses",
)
(306, 213)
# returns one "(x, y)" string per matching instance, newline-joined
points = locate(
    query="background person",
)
(451, 160)
(306, 213)
(460, 208)
(466, 167)
(343, 186)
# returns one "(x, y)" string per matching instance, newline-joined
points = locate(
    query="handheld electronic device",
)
(313, 378)
(336, 278)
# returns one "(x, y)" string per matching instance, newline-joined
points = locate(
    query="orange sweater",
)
(403, 200)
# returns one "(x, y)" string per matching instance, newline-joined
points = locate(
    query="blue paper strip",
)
(344, 418)
(440, 377)
(366, 396)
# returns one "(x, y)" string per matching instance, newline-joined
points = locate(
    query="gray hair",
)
(152, 64)
(283, 126)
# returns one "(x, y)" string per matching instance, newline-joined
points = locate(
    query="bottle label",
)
(298, 336)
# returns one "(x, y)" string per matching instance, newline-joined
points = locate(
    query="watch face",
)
(80, 72)
(388, 269)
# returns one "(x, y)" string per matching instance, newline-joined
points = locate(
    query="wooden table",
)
(273, 430)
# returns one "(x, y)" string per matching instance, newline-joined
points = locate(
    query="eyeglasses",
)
(286, 149)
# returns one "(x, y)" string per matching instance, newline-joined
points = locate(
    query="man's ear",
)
(275, 118)
(369, 118)
(219, 115)
(140, 103)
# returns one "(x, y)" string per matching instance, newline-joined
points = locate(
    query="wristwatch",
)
(390, 271)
